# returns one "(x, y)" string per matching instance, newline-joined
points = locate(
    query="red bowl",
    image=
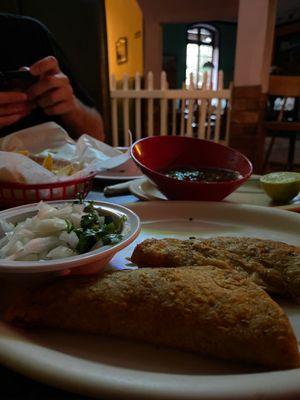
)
(159, 153)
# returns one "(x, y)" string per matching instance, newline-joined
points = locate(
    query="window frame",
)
(214, 44)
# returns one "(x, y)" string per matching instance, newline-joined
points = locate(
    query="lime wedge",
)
(281, 186)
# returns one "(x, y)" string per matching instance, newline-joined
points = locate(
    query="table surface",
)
(14, 386)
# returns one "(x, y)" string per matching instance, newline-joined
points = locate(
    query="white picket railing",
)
(187, 111)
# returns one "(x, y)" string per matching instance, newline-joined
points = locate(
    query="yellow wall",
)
(124, 19)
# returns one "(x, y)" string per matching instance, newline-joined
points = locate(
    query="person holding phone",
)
(54, 94)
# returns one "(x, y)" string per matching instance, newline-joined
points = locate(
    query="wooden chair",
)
(284, 87)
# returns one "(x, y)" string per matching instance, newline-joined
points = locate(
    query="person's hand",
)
(53, 92)
(13, 106)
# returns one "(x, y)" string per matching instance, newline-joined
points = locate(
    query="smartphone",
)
(16, 80)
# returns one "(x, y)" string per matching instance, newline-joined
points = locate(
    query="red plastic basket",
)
(15, 194)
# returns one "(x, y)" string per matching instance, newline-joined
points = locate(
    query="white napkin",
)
(50, 138)
(20, 169)
(101, 155)
(44, 138)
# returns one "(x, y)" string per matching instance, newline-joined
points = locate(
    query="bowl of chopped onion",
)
(64, 236)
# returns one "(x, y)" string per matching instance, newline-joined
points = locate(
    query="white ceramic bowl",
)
(86, 263)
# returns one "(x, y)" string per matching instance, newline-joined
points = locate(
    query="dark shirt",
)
(24, 41)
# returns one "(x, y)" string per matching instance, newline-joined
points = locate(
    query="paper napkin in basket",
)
(20, 169)
(50, 138)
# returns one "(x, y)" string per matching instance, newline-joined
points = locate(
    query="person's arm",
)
(54, 94)
(84, 119)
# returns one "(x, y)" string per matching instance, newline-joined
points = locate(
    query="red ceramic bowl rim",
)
(243, 177)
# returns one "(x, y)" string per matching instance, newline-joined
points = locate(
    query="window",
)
(202, 54)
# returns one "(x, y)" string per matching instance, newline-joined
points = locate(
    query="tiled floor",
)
(280, 153)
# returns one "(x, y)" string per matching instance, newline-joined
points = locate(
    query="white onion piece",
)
(50, 225)
(70, 238)
(60, 252)
(38, 245)
(75, 218)
(6, 226)
(45, 210)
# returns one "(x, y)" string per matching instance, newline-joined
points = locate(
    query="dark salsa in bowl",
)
(202, 174)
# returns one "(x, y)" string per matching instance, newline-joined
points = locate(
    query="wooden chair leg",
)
(268, 153)
(291, 154)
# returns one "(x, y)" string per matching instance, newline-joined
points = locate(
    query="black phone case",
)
(16, 80)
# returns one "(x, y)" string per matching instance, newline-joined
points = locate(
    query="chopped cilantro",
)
(95, 228)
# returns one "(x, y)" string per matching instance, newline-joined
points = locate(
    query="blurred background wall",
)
(125, 20)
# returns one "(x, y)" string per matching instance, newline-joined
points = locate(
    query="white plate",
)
(123, 172)
(115, 368)
(95, 259)
(249, 193)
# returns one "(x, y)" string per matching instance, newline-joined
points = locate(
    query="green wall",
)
(174, 49)
(227, 44)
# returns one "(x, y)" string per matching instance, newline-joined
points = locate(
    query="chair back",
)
(283, 119)
(285, 86)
